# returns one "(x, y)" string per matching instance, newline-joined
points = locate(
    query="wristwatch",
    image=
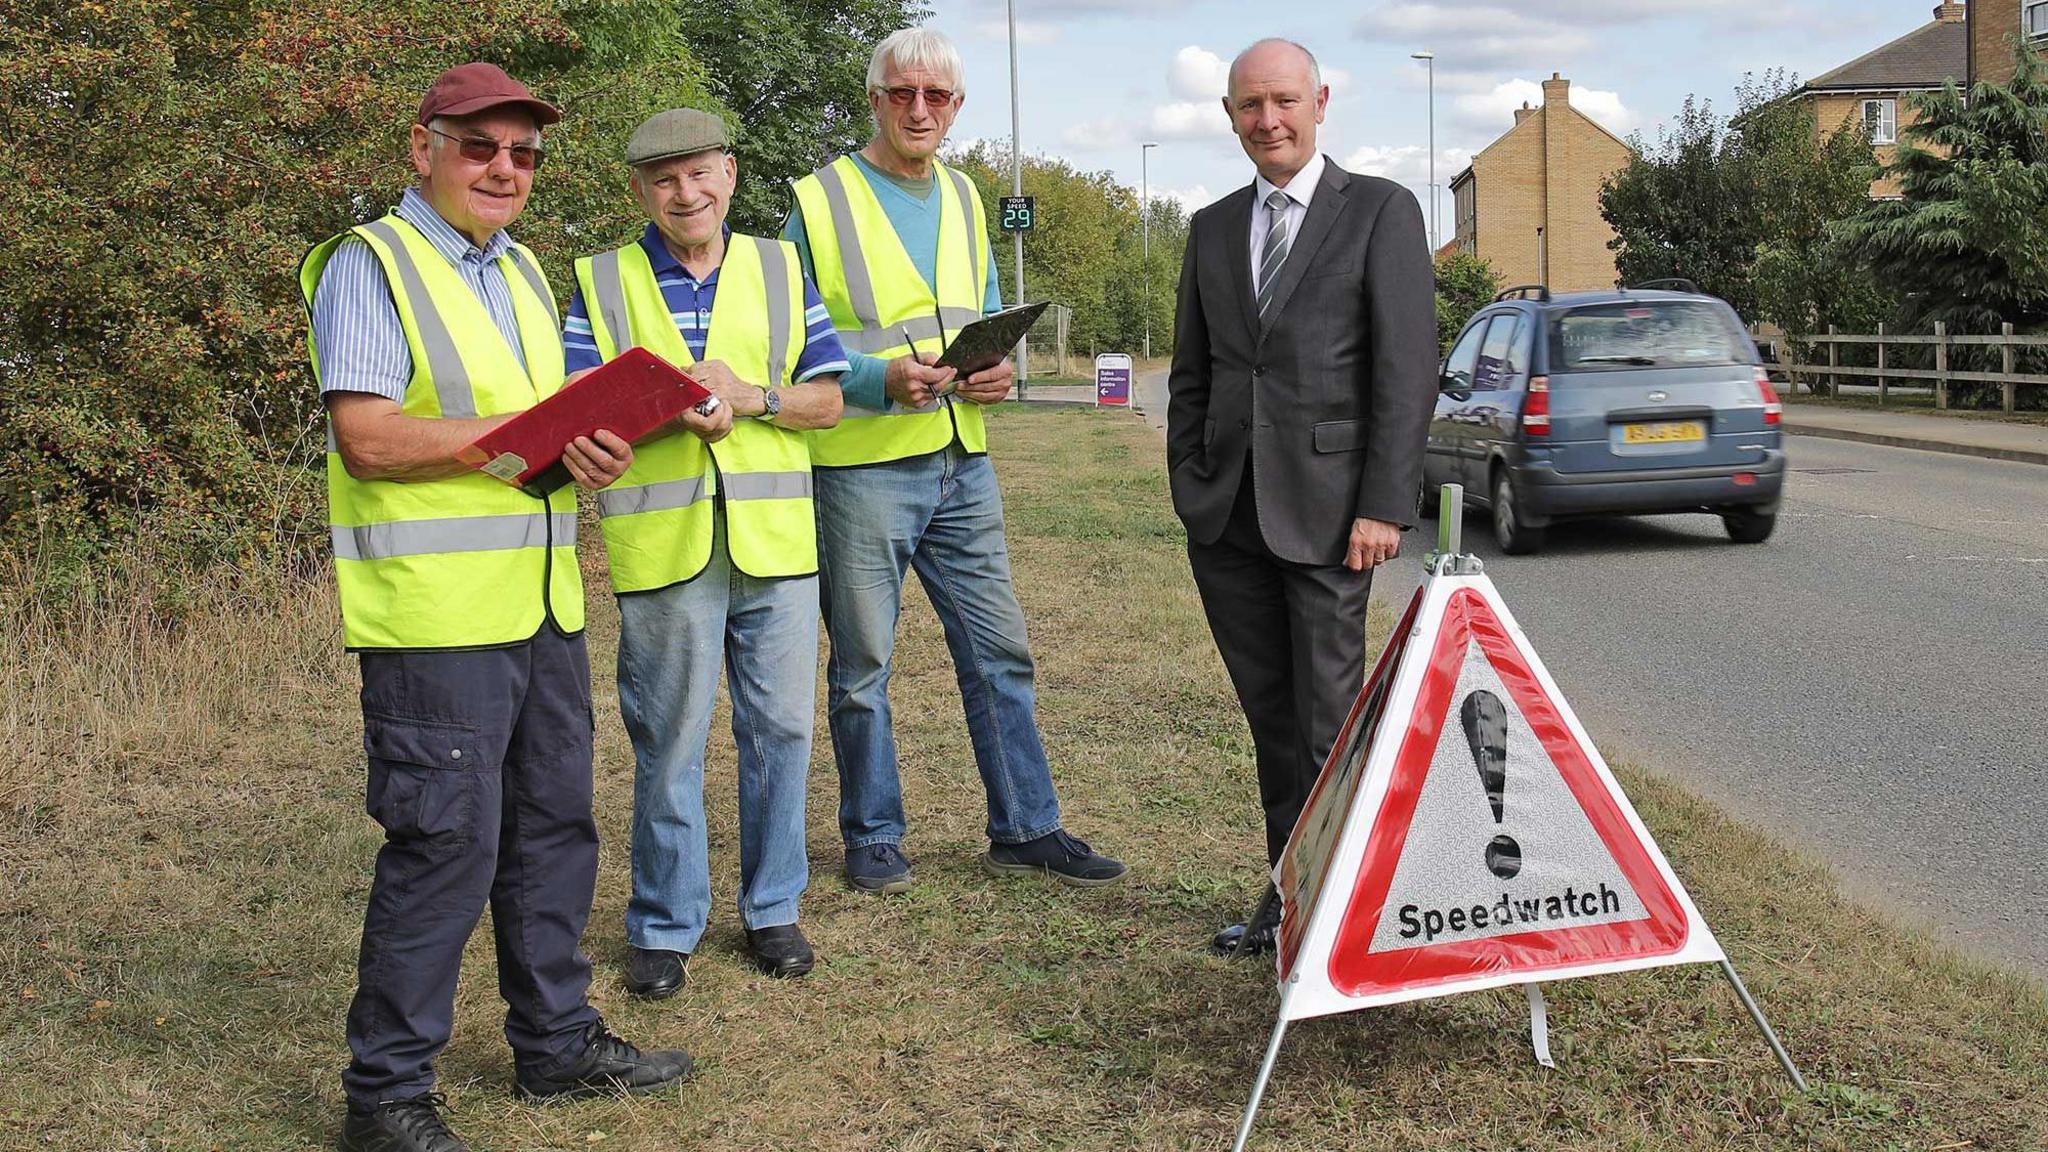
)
(771, 404)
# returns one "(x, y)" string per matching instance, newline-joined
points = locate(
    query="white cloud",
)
(1029, 32)
(1189, 120)
(1494, 111)
(1471, 37)
(1190, 198)
(1198, 74)
(1408, 163)
(1097, 135)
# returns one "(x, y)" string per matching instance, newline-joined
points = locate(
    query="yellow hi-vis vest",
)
(466, 561)
(657, 517)
(875, 294)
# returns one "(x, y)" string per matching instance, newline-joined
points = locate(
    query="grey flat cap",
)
(676, 132)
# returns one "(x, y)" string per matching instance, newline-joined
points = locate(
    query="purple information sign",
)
(1113, 380)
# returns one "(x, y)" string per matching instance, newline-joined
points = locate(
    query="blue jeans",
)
(670, 644)
(943, 515)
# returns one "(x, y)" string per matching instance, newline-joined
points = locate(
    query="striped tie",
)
(1274, 253)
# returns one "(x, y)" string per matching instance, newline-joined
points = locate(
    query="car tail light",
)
(1536, 407)
(1773, 409)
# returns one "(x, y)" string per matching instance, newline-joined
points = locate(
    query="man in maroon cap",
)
(463, 598)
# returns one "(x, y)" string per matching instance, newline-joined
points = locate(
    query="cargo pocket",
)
(423, 777)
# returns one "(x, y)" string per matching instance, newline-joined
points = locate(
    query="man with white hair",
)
(898, 246)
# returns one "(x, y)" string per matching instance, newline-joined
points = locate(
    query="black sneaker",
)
(608, 1067)
(780, 951)
(656, 974)
(879, 868)
(409, 1125)
(1056, 854)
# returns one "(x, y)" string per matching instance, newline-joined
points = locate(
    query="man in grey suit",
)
(1303, 377)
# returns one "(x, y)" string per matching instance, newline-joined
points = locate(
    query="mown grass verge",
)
(183, 860)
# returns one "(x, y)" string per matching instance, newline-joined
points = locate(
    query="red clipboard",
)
(631, 396)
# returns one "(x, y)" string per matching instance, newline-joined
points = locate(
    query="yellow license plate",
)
(1665, 433)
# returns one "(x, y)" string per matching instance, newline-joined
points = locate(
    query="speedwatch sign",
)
(1018, 214)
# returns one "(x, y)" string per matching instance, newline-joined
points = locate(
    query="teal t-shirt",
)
(916, 220)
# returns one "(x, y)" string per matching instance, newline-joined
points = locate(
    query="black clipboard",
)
(988, 341)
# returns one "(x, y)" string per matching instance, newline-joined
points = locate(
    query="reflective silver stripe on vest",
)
(454, 534)
(869, 341)
(853, 264)
(766, 485)
(775, 274)
(444, 362)
(539, 284)
(609, 283)
(966, 218)
(658, 497)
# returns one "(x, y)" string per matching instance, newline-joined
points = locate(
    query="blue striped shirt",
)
(689, 303)
(356, 330)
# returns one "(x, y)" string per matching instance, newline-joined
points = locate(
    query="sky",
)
(1098, 77)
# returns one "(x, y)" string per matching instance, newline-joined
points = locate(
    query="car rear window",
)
(1644, 334)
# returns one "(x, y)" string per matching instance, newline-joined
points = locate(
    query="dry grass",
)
(183, 860)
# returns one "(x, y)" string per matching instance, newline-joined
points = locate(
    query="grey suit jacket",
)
(1330, 398)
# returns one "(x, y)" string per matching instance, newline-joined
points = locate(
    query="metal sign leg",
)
(1762, 1025)
(1258, 917)
(1244, 1130)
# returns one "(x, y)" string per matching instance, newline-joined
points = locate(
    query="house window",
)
(2034, 18)
(1881, 117)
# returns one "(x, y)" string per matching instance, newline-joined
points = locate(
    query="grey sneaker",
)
(1058, 855)
(879, 868)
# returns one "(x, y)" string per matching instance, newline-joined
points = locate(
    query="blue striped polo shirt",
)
(356, 330)
(689, 303)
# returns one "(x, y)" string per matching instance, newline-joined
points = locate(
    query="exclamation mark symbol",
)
(1486, 730)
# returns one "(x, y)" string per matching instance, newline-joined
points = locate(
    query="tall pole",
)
(1017, 189)
(1145, 231)
(1429, 58)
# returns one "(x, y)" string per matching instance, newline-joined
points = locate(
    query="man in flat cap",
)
(713, 544)
(462, 595)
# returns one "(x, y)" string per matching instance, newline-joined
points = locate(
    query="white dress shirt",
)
(1300, 191)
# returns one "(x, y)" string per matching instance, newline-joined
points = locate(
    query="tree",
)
(1742, 208)
(1085, 252)
(793, 74)
(1967, 242)
(1465, 283)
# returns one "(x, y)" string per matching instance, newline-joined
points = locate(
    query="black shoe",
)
(656, 974)
(409, 1125)
(1055, 854)
(879, 868)
(780, 951)
(1258, 934)
(608, 1067)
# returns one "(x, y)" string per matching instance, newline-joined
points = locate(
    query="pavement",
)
(1866, 685)
(1965, 436)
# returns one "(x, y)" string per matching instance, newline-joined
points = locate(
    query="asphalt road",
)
(1871, 685)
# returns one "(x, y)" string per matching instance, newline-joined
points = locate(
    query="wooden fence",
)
(1884, 374)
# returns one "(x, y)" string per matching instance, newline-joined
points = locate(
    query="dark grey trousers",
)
(480, 775)
(1293, 638)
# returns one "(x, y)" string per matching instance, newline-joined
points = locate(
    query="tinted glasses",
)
(933, 97)
(483, 150)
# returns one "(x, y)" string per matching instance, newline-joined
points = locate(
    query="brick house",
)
(1529, 204)
(1871, 90)
(1993, 26)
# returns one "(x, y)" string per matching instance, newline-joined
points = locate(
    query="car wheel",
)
(1749, 526)
(1426, 501)
(1514, 537)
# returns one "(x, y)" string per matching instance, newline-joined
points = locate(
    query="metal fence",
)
(1046, 345)
(1887, 359)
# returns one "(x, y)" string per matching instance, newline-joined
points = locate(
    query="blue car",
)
(1634, 401)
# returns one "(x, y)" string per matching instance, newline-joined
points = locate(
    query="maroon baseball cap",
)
(467, 89)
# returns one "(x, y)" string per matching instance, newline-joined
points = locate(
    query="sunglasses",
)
(906, 96)
(478, 150)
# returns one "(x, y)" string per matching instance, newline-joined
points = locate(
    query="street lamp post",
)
(1017, 189)
(1145, 233)
(1429, 58)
